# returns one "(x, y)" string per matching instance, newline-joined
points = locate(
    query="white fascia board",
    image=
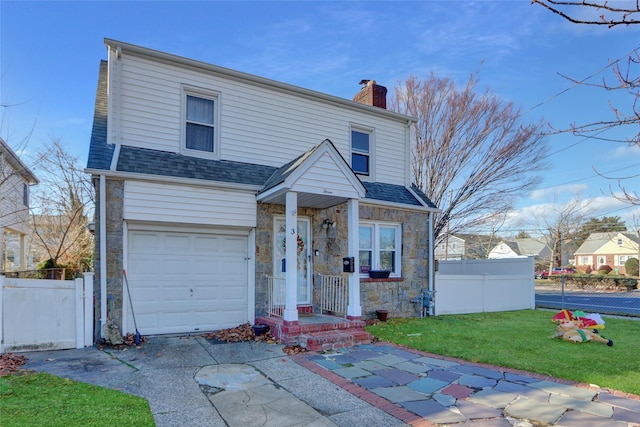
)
(422, 202)
(262, 81)
(402, 206)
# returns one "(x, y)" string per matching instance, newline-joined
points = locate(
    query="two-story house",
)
(15, 181)
(224, 197)
(612, 249)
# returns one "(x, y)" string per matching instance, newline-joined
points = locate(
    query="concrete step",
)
(334, 339)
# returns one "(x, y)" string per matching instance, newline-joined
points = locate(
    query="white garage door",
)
(187, 282)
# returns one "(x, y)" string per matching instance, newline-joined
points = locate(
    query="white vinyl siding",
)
(283, 125)
(13, 213)
(326, 177)
(146, 201)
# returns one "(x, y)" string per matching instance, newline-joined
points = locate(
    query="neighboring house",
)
(464, 246)
(213, 186)
(451, 248)
(612, 249)
(15, 180)
(518, 248)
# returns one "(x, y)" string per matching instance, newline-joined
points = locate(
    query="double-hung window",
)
(361, 151)
(201, 123)
(380, 247)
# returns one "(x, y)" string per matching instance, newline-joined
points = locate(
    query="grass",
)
(524, 340)
(38, 399)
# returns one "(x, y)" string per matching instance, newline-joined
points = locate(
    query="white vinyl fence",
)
(476, 286)
(46, 314)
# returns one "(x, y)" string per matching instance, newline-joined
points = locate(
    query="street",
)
(623, 303)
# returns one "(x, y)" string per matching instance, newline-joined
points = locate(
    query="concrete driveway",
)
(189, 381)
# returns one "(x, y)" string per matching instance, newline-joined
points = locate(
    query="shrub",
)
(588, 270)
(604, 269)
(631, 267)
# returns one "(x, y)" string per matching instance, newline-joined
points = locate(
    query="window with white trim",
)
(621, 260)
(585, 260)
(200, 123)
(361, 151)
(381, 247)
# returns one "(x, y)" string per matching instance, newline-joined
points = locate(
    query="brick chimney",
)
(372, 94)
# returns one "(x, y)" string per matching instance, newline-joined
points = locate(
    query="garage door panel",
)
(184, 282)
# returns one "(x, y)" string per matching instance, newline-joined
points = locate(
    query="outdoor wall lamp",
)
(327, 223)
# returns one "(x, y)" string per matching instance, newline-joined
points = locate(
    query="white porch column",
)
(354, 309)
(291, 275)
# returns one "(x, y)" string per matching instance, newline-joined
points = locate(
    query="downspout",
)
(432, 286)
(103, 254)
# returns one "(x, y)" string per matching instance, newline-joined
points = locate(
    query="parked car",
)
(544, 274)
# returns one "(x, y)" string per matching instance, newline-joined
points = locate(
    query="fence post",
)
(88, 309)
(1, 314)
(79, 314)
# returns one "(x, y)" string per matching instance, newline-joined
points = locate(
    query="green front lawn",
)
(524, 340)
(39, 399)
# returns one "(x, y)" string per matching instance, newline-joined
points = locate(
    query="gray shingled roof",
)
(100, 153)
(153, 162)
(390, 193)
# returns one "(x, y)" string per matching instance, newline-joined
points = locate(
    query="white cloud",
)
(625, 152)
(559, 192)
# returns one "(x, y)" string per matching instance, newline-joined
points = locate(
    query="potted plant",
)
(379, 274)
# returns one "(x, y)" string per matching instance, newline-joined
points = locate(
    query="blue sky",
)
(50, 52)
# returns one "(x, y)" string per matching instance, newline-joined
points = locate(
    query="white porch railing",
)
(334, 294)
(276, 290)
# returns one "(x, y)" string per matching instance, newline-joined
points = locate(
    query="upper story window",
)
(380, 247)
(361, 151)
(619, 242)
(25, 195)
(201, 131)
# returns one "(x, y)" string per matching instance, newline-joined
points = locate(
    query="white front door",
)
(304, 256)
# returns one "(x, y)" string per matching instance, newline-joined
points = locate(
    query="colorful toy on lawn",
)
(568, 331)
(579, 319)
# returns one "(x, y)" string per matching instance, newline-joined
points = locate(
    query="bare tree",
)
(559, 224)
(626, 74)
(61, 209)
(608, 13)
(472, 156)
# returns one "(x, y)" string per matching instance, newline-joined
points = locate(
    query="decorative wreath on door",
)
(300, 243)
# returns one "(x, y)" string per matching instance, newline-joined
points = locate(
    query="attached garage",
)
(187, 281)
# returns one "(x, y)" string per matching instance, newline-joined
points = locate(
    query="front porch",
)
(318, 332)
(315, 331)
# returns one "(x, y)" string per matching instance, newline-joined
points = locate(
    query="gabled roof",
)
(307, 174)
(17, 164)
(597, 240)
(525, 246)
(166, 164)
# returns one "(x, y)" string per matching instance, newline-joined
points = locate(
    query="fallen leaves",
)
(240, 333)
(10, 363)
(294, 349)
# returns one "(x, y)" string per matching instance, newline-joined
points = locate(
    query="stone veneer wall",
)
(114, 225)
(331, 243)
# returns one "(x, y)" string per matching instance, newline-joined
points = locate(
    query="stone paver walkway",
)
(422, 389)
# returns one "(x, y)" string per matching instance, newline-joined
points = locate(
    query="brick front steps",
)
(318, 332)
